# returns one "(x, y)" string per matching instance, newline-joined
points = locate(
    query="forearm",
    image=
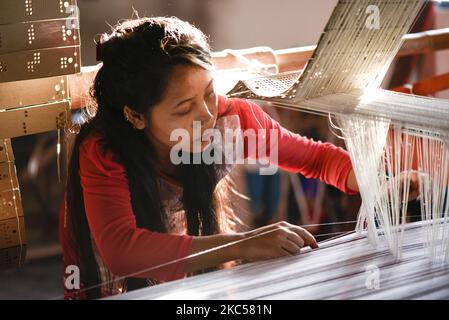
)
(214, 257)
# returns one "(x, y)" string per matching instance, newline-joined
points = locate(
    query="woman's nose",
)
(205, 113)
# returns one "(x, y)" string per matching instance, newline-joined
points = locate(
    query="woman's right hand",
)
(274, 241)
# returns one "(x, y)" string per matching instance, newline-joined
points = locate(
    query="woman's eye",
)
(186, 109)
(183, 111)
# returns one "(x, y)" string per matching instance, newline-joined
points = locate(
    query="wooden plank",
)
(14, 11)
(10, 204)
(12, 257)
(34, 119)
(12, 232)
(6, 152)
(40, 63)
(38, 35)
(8, 176)
(33, 92)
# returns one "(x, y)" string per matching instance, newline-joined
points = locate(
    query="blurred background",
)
(235, 24)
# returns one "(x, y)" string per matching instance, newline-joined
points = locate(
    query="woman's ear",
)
(135, 118)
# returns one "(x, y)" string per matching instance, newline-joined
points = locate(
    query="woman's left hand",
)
(413, 187)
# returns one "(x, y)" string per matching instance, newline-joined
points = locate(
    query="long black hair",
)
(138, 57)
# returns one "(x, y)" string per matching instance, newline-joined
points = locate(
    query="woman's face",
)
(189, 98)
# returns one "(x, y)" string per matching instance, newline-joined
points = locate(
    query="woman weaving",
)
(129, 207)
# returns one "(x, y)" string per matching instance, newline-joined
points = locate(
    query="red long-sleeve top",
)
(126, 249)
